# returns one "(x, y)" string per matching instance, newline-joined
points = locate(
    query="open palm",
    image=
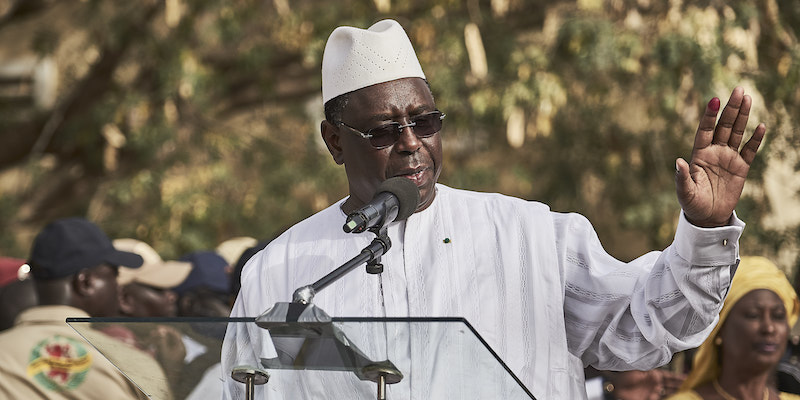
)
(709, 186)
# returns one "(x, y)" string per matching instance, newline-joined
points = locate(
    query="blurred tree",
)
(184, 123)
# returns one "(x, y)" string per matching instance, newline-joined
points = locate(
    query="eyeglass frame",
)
(367, 135)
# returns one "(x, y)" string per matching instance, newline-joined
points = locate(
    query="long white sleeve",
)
(636, 315)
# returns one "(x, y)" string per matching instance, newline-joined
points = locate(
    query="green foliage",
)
(44, 41)
(220, 112)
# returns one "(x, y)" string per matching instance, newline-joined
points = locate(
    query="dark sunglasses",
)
(423, 125)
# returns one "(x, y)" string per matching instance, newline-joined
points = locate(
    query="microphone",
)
(395, 200)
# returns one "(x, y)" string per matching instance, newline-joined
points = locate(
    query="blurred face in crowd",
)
(138, 300)
(755, 332)
(99, 286)
(418, 159)
(202, 302)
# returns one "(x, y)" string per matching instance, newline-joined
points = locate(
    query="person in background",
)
(233, 248)
(236, 273)
(74, 266)
(738, 359)
(652, 384)
(204, 293)
(17, 293)
(236, 251)
(148, 291)
(788, 371)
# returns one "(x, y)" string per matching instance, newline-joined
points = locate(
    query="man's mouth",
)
(416, 175)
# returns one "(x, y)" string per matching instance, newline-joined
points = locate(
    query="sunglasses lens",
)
(428, 124)
(384, 136)
(423, 126)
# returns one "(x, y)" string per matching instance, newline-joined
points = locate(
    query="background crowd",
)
(751, 354)
(185, 123)
(75, 270)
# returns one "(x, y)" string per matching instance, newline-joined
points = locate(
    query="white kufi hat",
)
(355, 58)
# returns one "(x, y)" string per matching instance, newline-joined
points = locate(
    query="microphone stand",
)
(302, 318)
(370, 254)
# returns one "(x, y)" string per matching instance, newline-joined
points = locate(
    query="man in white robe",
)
(536, 285)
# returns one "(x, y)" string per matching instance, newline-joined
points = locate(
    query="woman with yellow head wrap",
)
(738, 358)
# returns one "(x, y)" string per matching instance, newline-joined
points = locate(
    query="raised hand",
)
(710, 185)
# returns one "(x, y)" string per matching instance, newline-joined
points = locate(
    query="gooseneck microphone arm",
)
(303, 319)
(395, 200)
(379, 246)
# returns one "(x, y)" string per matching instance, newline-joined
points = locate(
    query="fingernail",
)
(677, 168)
(714, 104)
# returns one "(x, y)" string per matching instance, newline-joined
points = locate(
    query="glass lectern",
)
(391, 358)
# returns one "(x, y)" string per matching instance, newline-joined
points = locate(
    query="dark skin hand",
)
(165, 342)
(644, 385)
(709, 186)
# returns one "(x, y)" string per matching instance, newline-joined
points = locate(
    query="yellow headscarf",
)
(753, 273)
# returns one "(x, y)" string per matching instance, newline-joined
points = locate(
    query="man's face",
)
(418, 159)
(138, 300)
(104, 295)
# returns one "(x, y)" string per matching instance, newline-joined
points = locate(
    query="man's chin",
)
(426, 197)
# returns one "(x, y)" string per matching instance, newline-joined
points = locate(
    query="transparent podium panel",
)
(353, 358)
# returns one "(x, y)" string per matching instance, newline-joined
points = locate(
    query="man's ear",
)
(126, 302)
(82, 283)
(330, 134)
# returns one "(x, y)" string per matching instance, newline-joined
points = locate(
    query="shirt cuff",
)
(709, 246)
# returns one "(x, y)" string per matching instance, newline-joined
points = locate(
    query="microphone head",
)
(407, 194)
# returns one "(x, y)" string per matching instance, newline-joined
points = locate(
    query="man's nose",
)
(407, 142)
(172, 297)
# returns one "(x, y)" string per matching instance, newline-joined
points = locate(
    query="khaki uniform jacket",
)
(42, 357)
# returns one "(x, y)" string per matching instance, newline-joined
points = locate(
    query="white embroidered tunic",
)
(535, 284)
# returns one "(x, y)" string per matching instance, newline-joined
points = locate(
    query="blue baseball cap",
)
(208, 272)
(68, 245)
